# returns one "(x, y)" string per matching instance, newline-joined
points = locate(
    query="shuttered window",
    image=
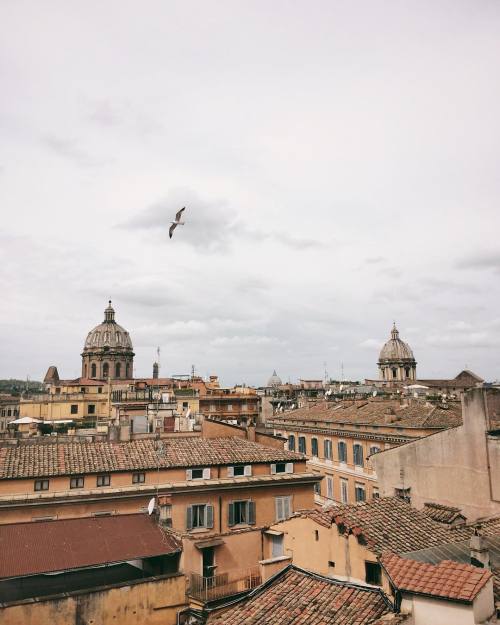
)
(291, 442)
(328, 449)
(342, 451)
(314, 446)
(241, 513)
(302, 444)
(199, 515)
(282, 467)
(358, 455)
(198, 474)
(283, 507)
(240, 470)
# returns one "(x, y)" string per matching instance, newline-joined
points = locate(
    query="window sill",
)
(199, 530)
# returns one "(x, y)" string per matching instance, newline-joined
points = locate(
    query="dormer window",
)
(198, 474)
(282, 467)
(239, 470)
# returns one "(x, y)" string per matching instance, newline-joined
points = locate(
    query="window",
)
(342, 446)
(283, 507)
(241, 512)
(138, 478)
(291, 442)
(314, 447)
(185, 404)
(302, 444)
(373, 573)
(375, 493)
(317, 488)
(41, 484)
(344, 489)
(200, 515)
(329, 487)
(105, 370)
(403, 493)
(103, 480)
(74, 409)
(360, 492)
(374, 449)
(277, 546)
(282, 467)
(358, 455)
(394, 373)
(230, 407)
(91, 409)
(93, 370)
(328, 449)
(198, 474)
(239, 470)
(118, 370)
(77, 482)
(166, 514)
(99, 389)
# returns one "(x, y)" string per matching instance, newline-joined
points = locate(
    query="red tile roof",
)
(48, 459)
(298, 597)
(388, 523)
(443, 514)
(450, 580)
(48, 546)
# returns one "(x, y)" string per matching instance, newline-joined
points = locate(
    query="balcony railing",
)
(224, 584)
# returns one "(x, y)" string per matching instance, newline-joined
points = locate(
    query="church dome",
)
(108, 334)
(395, 349)
(274, 380)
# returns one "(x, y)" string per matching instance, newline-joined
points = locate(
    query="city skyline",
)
(339, 175)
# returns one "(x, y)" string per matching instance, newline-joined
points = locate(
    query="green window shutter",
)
(251, 512)
(230, 515)
(210, 516)
(189, 518)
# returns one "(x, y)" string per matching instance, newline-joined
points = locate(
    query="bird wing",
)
(171, 230)
(178, 216)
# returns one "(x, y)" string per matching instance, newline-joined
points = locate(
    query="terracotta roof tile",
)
(450, 580)
(47, 546)
(297, 597)
(49, 459)
(388, 523)
(443, 514)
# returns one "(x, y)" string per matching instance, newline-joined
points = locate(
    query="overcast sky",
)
(339, 162)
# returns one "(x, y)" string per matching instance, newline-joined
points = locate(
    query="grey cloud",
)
(487, 260)
(69, 149)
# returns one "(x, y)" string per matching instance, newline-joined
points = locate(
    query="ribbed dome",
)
(274, 380)
(395, 348)
(108, 334)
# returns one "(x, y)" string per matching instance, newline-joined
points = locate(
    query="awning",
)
(273, 533)
(215, 542)
(25, 420)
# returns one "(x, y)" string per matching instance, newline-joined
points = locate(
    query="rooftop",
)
(298, 597)
(416, 414)
(48, 546)
(443, 514)
(388, 523)
(448, 579)
(51, 459)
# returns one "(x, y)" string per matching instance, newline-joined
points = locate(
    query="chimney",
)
(251, 432)
(479, 554)
(155, 370)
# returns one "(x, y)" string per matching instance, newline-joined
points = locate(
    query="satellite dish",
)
(374, 393)
(151, 506)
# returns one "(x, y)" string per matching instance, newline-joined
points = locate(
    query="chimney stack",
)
(479, 554)
(155, 370)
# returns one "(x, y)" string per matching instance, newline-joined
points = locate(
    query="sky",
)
(339, 161)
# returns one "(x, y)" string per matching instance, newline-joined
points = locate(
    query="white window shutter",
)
(230, 472)
(273, 468)
(289, 467)
(189, 474)
(288, 507)
(248, 470)
(279, 508)
(206, 473)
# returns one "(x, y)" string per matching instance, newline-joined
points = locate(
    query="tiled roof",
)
(298, 597)
(418, 414)
(48, 459)
(48, 546)
(448, 579)
(388, 523)
(443, 514)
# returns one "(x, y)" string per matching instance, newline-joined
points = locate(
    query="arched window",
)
(291, 442)
(314, 447)
(328, 449)
(93, 370)
(302, 444)
(374, 449)
(105, 370)
(127, 371)
(342, 451)
(85, 370)
(118, 369)
(358, 455)
(96, 338)
(394, 373)
(407, 371)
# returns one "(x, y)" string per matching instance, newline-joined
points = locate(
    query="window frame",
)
(74, 482)
(291, 442)
(358, 489)
(314, 447)
(139, 477)
(191, 516)
(73, 409)
(358, 455)
(302, 445)
(328, 449)
(241, 512)
(41, 484)
(286, 504)
(104, 478)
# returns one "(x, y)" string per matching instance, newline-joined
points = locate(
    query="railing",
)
(224, 584)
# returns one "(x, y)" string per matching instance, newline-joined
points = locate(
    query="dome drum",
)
(108, 351)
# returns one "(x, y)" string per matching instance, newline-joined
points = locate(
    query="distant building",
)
(274, 380)
(396, 362)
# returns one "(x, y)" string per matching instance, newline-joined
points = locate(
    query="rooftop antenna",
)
(192, 372)
(326, 372)
(342, 379)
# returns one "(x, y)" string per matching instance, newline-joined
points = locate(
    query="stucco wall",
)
(450, 467)
(428, 611)
(155, 602)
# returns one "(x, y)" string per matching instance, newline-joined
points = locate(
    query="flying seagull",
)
(177, 222)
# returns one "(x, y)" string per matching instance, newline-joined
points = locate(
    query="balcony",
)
(224, 584)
